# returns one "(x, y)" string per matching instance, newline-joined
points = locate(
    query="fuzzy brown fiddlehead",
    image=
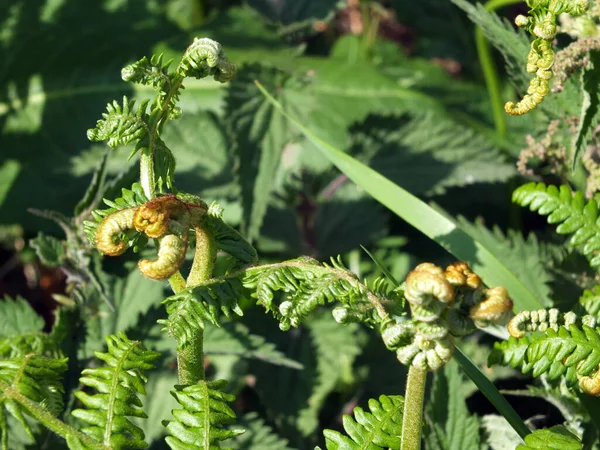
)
(109, 238)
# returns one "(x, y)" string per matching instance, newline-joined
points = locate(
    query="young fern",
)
(202, 421)
(376, 430)
(571, 212)
(118, 385)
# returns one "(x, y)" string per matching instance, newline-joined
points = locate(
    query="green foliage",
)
(258, 435)
(590, 107)
(556, 437)
(21, 329)
(380, 428)
(571, 352)
(201, 423)
(570, 211)
(118, 384)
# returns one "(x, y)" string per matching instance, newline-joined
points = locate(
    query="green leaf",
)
(234, 338)
(427, 220)
(499, 435)
(259, 135)
(8, 173)
(95, 188)
(258, 435)
(376, 430)
(425, 154)
(18, 317)
(452, 426)
(555, 438)
(50, 250)
(588, 118)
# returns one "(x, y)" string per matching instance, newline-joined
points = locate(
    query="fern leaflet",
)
(376, 430)
(121, 125)
(201, 422)
(118, 385)
(570, 211)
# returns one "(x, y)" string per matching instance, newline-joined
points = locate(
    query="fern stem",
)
(412, 419)
(177, 282)
(48, 420)
(204, 257)
(490, 74)
(147, 179)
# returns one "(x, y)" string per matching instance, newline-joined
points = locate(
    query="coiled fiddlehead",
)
(541, 23)
(443, 304)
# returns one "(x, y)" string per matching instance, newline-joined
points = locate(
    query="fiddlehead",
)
(541, 23)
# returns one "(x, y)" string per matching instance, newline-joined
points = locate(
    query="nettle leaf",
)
(525, 257)
(555, 438)
(588, 118)
(18, 317)
(50, 250)
(234, 338)
(427, 154)
(499, 435)
(258, 435)
(452, 426)
(8, 173)
(259, 134)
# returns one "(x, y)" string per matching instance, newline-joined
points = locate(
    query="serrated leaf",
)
(555, 438)
(424, 218)
(95, 187)
(234, 338)
(588, 118)
(50, 250)
(426, 154)
(259, 135)
(258, 435)
(452, 426)
(499, 434)
(18, 317)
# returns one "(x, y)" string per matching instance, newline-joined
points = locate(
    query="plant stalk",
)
(147, 179)
(412, 420)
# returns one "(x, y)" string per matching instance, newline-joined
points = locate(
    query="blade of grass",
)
(421, 216)
(488, 389)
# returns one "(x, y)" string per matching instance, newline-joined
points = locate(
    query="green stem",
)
(177, 282)
(48, 420)
(147, 179)
(490, 73)
(190, 359)
(412, 420)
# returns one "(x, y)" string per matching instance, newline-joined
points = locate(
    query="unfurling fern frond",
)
(118, 385)
(121, 125)
(30, 378)
(129, 199)
(376, 430)
(570, 211)
(204, 58)
(202, 303)
(149, 73)
(201, 423)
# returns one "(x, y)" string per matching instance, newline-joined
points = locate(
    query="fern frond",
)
(201, 423)
(376, 430)
(118, 385)
(573, 352)
(149, 73)
(204, 58)
(230, 241)
(33, 377)
(121, 125)
(590, 302)
(202, 303)
(129, 199)
(570, 211)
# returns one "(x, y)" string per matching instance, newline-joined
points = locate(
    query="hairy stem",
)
(177, 282)
(47, 419)
(490, 74)
(147, 179)
(412, 420)
(190, 359)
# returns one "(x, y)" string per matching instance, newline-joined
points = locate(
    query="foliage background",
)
(396, 84)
